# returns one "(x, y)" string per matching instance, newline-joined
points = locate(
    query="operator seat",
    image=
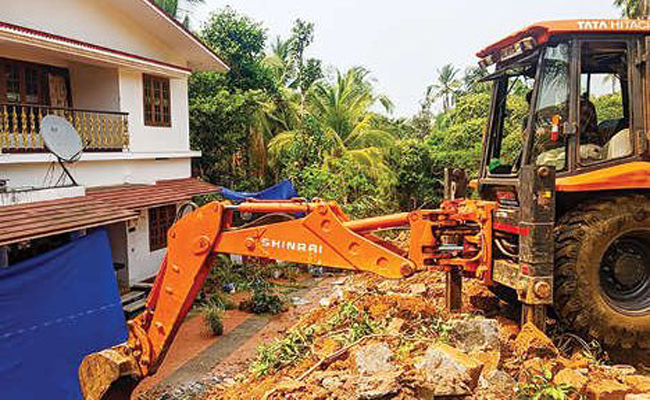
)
(620, 145)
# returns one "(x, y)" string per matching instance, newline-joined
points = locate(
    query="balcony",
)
(100, 131)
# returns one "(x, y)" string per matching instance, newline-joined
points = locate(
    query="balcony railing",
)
(99, 130)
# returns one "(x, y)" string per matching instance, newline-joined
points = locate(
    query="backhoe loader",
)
(560, 216)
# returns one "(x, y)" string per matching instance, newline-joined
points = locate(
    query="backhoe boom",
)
(315, 233)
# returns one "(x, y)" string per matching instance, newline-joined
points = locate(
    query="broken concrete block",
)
(533, 342)
(490, 359)
(637, 397)
(374, 358)
(448, 372)
(498, 383)
(606, 389)
(377, 386)
(571, 377)
(418, 289)
(638, 383)
(475, 334)
(395, 326)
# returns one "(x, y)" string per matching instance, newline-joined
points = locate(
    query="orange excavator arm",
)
(322, 235)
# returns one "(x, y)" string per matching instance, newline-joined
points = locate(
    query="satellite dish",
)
(61, 138)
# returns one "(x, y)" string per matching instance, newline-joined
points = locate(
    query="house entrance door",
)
(58, 91)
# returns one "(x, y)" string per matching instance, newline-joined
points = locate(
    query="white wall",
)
(94, 88)
(150, 138)
(143, 264)
(92, 21)
(99, 173)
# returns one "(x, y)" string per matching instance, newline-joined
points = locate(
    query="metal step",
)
(142, 286)
(135, 307)
(133, 295)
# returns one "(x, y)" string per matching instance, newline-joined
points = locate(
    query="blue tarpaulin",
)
(283, 190)
(55, 309)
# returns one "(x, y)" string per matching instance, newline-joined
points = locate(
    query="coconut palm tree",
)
(446, 86)
(279, 61)
(342, 108)
(634, 8)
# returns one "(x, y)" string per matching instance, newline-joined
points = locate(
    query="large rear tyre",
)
(602, 270)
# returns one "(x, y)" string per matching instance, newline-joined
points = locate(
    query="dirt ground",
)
(194, 338)
(360, 336)
(238, 361)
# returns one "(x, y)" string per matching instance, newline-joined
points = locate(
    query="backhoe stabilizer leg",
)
(453, 289)
(535, 313)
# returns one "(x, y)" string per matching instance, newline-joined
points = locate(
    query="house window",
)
(27, 83)
(157, 105)
(160, 220)
(21, 82)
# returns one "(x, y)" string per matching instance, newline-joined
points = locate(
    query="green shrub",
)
(262, 302)
(222, 300)
(542, 387)
(212, 316)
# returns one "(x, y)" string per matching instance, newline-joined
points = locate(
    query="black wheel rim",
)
(625, 272)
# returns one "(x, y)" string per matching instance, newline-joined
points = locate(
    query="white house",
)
(118, 71)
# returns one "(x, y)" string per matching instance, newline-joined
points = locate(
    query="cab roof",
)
(543, 31)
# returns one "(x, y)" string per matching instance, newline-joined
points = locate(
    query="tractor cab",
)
(566, 161)
(567, 95)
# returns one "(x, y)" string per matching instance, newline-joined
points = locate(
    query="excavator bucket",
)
(108, 374)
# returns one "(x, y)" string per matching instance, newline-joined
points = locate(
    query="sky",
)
(403, 43)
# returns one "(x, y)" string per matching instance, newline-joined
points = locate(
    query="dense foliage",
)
(279, 114)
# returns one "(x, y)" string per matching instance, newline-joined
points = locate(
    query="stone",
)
(325, 302)
(638, 383)
(299, 301)
(533, 342)
(490, 359)
(577, 361)
(418, 289)
(448, 372)
(622, 370)
(606, 389)
(571, 377)
(508, 329)
(498, 383)
(534, 366)
(480, 297)
(332, 299)
(475, 334)
(229, 382)
(331, 380)
(374, 358)
(377, 386)
(395, 326)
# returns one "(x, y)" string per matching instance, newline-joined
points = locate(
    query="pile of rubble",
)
(380, 339)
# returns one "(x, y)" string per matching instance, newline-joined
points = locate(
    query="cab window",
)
(604, 111)
(513, 90)
(552, 109)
